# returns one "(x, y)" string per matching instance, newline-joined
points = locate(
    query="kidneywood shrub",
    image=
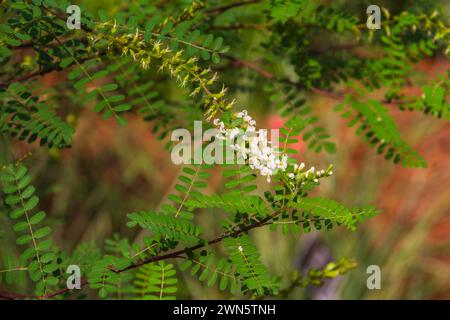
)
(124, 63)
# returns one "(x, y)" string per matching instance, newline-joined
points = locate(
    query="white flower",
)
(251, 129)
(220, 136)
(310, 171)
(241, 114)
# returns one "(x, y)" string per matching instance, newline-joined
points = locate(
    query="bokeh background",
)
(111, 171)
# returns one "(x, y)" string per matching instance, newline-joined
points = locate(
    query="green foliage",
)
(160, 62)
(252, 272)
(379, 129)
(156, 281)
(333, 211)
(23, 116)
(231, 202)
(39, 255)
(191, 181)
(210, 271)
(85, 256)
(141, 95)
(407, 38)
(315, 137)
(433, 100)
(283, 10)
(319, 213)
(166, 226)
(11, 272)
(240, 178)
(102, 270)
(301, 120)
(104, 279)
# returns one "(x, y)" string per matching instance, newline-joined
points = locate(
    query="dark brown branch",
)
(251, 65)
(40, 73)
(62, 291)
(175, 254)
(238, 26)
(16, 296)
(28, 76)
(12, 296)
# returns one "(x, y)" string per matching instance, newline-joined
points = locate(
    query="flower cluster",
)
(298, 177)
(253, 146)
